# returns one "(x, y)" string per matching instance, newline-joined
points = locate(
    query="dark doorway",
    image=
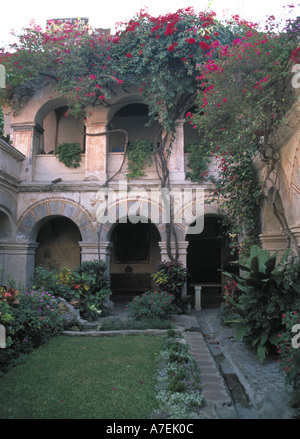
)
(58, 246)
(134, 258)
(208, 256)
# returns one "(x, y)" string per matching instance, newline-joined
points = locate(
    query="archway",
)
(134, 119)
(5, 227)
(134, 257)
(54, 126)
(208, 255)
(58, 240)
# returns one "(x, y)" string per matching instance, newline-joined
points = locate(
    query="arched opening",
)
(191, 135)
(134, 119)
(58, 240)
(208, 255)
(135, 255)
(55, 126)
(5, 227)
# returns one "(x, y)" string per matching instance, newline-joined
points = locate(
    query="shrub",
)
(30, 323)
(152, 305)
(86, 287)
(289, 352)
(227, 309)
(268, 291)
(171, 277)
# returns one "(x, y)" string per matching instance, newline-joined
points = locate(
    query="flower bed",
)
(178, 383)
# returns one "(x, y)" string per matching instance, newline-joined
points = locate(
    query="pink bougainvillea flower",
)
(191, 41)
(128, 55)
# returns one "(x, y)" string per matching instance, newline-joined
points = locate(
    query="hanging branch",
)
(112, 177)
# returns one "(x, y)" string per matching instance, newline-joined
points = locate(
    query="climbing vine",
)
(139, 154)
(244, 95)
(69, 154)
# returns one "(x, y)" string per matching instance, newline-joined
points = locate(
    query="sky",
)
(105, 14)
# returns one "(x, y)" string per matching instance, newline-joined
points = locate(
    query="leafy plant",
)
(171, 277)
(139, 154)
(262, 303)
(152, 305)
(86, 287)
(9, 295)
(69, 154)
(29, 323)
(199, 158)
(227, 310)
(244, 96)
(289, 353)
(178, 385)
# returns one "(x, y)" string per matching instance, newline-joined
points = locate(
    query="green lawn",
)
(83, 378)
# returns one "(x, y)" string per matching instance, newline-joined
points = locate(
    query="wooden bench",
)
(130, 283)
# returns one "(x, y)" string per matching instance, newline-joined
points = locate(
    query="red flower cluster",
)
(295, 56)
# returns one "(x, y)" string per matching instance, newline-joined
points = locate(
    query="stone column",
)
(198, 297)
(89, 251)
(176, 160)
(18, 260)
(182, 250)
(23, 141)
(96, 152)
(274, 243)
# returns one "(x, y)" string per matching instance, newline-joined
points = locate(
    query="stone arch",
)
(120, 205)
(52, 127)
(8, 210)
(58, 242)
(133, 117)
(6, 226)
(38, 213)
(135, 252)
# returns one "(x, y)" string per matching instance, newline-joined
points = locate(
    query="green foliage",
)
(199, 158)
(178, 385)
(139, 154)
(69, 154)
(152, 305)
(289, 352)
(244, 95)
(263, 301)
(56, 380)
(116, 324)
(171, 277)
(29, 324)
(87, 287)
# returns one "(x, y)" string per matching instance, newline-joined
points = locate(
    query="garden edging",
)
(178, 330)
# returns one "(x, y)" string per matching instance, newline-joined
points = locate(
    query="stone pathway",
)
(214, 388)
(258, 390)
